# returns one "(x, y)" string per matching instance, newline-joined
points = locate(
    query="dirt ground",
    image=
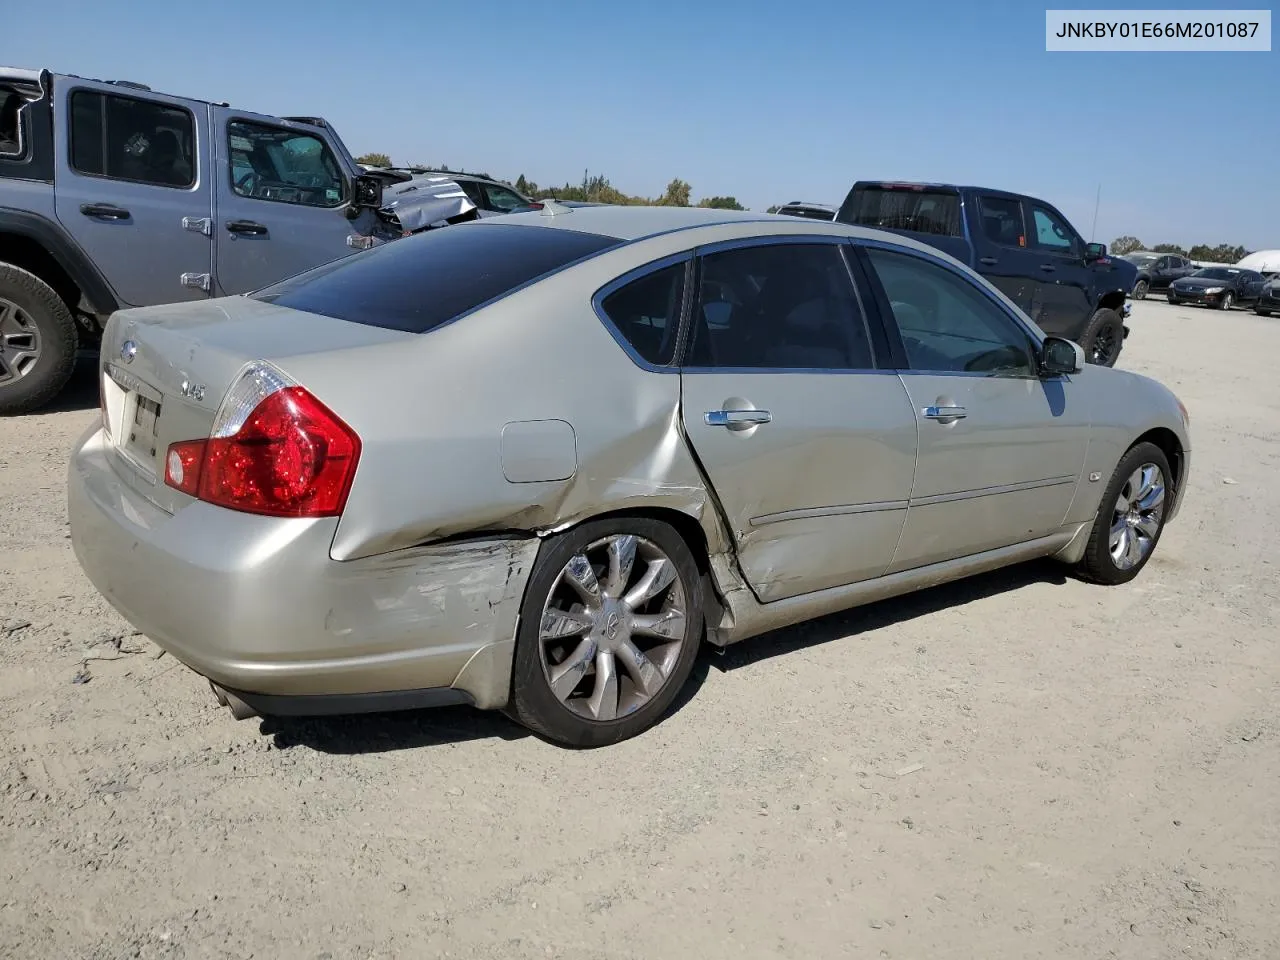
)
(1019, 766)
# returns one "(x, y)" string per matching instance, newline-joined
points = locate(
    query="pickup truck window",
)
(1051, 232)
(1002, 221)
(283, 166)
(919, 211)
(947, 324)
(128, 138)
(11, 124)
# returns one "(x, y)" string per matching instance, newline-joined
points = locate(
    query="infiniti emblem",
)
(611, 626)
(128, 350)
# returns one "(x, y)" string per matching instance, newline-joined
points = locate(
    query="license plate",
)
(141, 433)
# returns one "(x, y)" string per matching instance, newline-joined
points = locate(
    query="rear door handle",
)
(736, 419)
(246, 226)
(943, 413)
(106, 211)
(1048, 267)
(989, 261)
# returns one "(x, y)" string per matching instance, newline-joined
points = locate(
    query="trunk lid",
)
(164, 371)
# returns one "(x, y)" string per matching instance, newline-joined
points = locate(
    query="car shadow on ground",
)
(411, 729)
(81, 391)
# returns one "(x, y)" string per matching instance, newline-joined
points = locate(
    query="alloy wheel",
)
(1103, 347)
(1140, 290)
(1226, 301)
(19, 342)
(1136, 517)
(612, 627)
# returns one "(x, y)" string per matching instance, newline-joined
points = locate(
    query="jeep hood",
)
(423, 201)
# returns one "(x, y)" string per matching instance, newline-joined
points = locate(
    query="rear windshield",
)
(418, 283)
(913, 209)
(812, 213)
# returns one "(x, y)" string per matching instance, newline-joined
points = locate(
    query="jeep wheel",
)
(1103, 338)
(37, 341)
(1140, 290)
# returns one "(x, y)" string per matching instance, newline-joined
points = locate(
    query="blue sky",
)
(765, 102)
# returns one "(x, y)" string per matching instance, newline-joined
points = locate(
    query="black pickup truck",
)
(1023, 246)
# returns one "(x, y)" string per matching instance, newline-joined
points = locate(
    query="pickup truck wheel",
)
(1140, 290)
(1103, 338)
(37, 341)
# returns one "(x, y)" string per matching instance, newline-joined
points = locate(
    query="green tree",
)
(1126, 244)
(1222, 253)
(374, 159)
(677, 194)
(773, 209)
(1169, 248)
(721, 203)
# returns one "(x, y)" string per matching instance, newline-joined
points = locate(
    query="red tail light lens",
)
(291, 457)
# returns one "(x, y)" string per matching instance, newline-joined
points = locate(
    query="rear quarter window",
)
(418, 283)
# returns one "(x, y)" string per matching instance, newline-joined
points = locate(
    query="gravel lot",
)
(1016, 766)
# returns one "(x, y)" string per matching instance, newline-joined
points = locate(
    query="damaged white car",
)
(533, 462)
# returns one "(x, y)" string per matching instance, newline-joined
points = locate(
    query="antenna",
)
(1096, 202)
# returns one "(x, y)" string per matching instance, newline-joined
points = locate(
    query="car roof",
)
(633, 223)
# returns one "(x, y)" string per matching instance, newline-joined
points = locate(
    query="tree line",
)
(593, 188)
(1220, 253)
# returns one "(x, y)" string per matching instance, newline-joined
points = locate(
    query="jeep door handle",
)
(989, 261)
(943, 413)
(1048, 267)
(736, 419)
(246, 227)
(106, 211)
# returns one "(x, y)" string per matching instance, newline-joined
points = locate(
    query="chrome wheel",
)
(1138, 513)
(613, 627)
(19, 342)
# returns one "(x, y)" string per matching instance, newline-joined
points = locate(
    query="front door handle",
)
(1048, 267)
(246, 226)
(106, 211)
(737, 419)
(989, 261)
(943, 413)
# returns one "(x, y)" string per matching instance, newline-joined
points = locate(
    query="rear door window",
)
(129, 138)
(418, 283)
(1002, 221)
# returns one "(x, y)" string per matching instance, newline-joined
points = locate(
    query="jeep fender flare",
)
(66, 253)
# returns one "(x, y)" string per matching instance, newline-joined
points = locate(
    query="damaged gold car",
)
(531, 463)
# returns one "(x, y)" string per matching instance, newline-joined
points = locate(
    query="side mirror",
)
(1060, 356)
(367, 191)
(1095, 251)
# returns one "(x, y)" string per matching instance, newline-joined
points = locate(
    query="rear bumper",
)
(257, 605)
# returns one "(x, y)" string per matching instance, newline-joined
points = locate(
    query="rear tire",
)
(1261, 312)
(1103, 338)
(1130, 518)
(38, 341)
(586, 673)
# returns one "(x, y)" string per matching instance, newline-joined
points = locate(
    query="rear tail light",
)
(274, 449)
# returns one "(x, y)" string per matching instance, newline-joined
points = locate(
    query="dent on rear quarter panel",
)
(431, 414)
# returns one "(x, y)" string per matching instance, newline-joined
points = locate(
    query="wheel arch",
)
(1171, 446)
(33, 243)
(1112, 300)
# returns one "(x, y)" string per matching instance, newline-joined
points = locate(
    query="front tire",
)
(1130, 517)
(1140, 290)
(1260, 311)
(37, 341)
(609, 631)
(1227, 301)
(1103, 338)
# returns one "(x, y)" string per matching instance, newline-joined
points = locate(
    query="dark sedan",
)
(1156, 271)
(1221, 287)
(1269, 302)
